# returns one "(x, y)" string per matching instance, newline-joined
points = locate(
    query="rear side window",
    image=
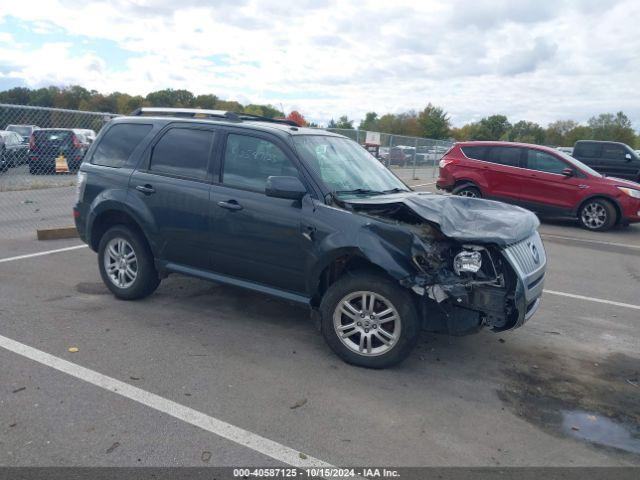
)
(477, 153)
(544, 162)
(588, 150)
(249, 161)
(118, 143)
(183, 152)
(612, 151)
(509, 156)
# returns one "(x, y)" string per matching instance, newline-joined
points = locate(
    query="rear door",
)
(174, 184)
(503, 173)
(255, 237)
(590, 153)
(546, 189)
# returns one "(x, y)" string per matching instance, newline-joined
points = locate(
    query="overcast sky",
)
(540, 60)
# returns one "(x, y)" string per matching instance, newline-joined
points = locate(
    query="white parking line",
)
(591, 299)
(423, 184)
(585, 240)
(218, 427)
(40, 254)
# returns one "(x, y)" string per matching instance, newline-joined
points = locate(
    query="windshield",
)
(578, 164)
(345, 167)
(20, 130)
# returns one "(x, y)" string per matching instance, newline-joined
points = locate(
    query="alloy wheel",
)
(594, 215)
(120, 262)
(367, 323)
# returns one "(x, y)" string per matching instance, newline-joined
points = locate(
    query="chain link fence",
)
(41, 149)
(40, 152)
(411, 158)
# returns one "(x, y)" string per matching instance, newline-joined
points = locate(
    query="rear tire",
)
(597, 215)
(368, 336)
(126, 264)
(467, 191)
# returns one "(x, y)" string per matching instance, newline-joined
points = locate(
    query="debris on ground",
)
(74, 349)
(206, 456)
(302, 456)
(113, 447)
(298, 404)
(19, 389)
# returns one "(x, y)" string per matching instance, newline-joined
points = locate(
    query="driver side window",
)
(249, 161)
(544, 162)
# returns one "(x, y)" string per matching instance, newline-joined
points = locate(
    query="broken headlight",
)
(467, 261)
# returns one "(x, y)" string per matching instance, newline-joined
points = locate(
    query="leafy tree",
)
(579, 132)
(556, 132)
(332, 124)
(494, 127)
(617, 128)
(526, 132)
(298, 118)
(370, 122)
(434, 122)
(207, 102)
(344, 122)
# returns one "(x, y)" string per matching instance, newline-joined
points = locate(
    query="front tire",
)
(468, 191)
(597, 215)
(126, 264)
(368, 320)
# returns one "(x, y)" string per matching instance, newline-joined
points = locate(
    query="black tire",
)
(146, 279)
(468, 191)
(386, 290)
(597, 215)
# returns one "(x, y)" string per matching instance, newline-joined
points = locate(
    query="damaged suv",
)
(308, 216)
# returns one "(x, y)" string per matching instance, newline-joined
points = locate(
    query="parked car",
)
(401, 155)
(567, 150)
(89, 134)
(24, 131)
(50, 145)
(304, 215)
(12, 151)
(542, 179)
(613, 159)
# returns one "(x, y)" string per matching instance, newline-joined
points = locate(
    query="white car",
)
(89, 134)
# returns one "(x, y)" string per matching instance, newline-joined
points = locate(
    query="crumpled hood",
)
(464, 219)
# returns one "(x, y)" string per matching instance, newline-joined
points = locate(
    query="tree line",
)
(430, 122)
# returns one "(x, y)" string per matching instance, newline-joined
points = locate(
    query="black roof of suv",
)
(308, 216)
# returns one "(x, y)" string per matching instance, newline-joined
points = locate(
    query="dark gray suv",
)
(308, 216)
(613, 159)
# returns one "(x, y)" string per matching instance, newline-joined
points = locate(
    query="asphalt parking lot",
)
(219, 376)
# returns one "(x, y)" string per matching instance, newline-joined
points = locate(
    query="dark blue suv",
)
(308, 216)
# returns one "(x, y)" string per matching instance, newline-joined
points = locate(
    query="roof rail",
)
(186, 112)
(199, 113)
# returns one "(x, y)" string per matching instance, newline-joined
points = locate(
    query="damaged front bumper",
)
(502, 303)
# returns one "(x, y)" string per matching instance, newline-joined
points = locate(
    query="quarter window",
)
(249, 161)
(477, 153)
(118, 143)
(544, 162)
(509, 156)
(183, 152)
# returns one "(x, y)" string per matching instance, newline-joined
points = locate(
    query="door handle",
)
(308, 232)
(146, 189)
(230, 205)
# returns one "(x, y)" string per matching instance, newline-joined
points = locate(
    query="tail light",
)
(76, 142)
(444, 162)
(32, 142)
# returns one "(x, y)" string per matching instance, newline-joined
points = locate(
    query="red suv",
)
(542, 179)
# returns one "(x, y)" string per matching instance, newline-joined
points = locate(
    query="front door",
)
(546, 189)
(255, 237)
(174, 184)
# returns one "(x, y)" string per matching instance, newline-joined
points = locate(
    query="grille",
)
(522, 255)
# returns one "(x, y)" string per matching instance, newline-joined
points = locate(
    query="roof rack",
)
(199, 113)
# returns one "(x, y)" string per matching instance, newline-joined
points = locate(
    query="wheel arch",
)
(110, 217)
(599, 196)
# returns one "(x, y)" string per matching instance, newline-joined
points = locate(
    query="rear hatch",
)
(52, 143)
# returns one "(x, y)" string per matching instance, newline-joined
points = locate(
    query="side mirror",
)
(568, 172)
(627, 156)
(285, 187)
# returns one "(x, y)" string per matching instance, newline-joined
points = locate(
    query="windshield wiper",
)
(396, 190)
(359, 191)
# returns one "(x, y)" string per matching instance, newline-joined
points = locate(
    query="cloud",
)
(535, 60)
